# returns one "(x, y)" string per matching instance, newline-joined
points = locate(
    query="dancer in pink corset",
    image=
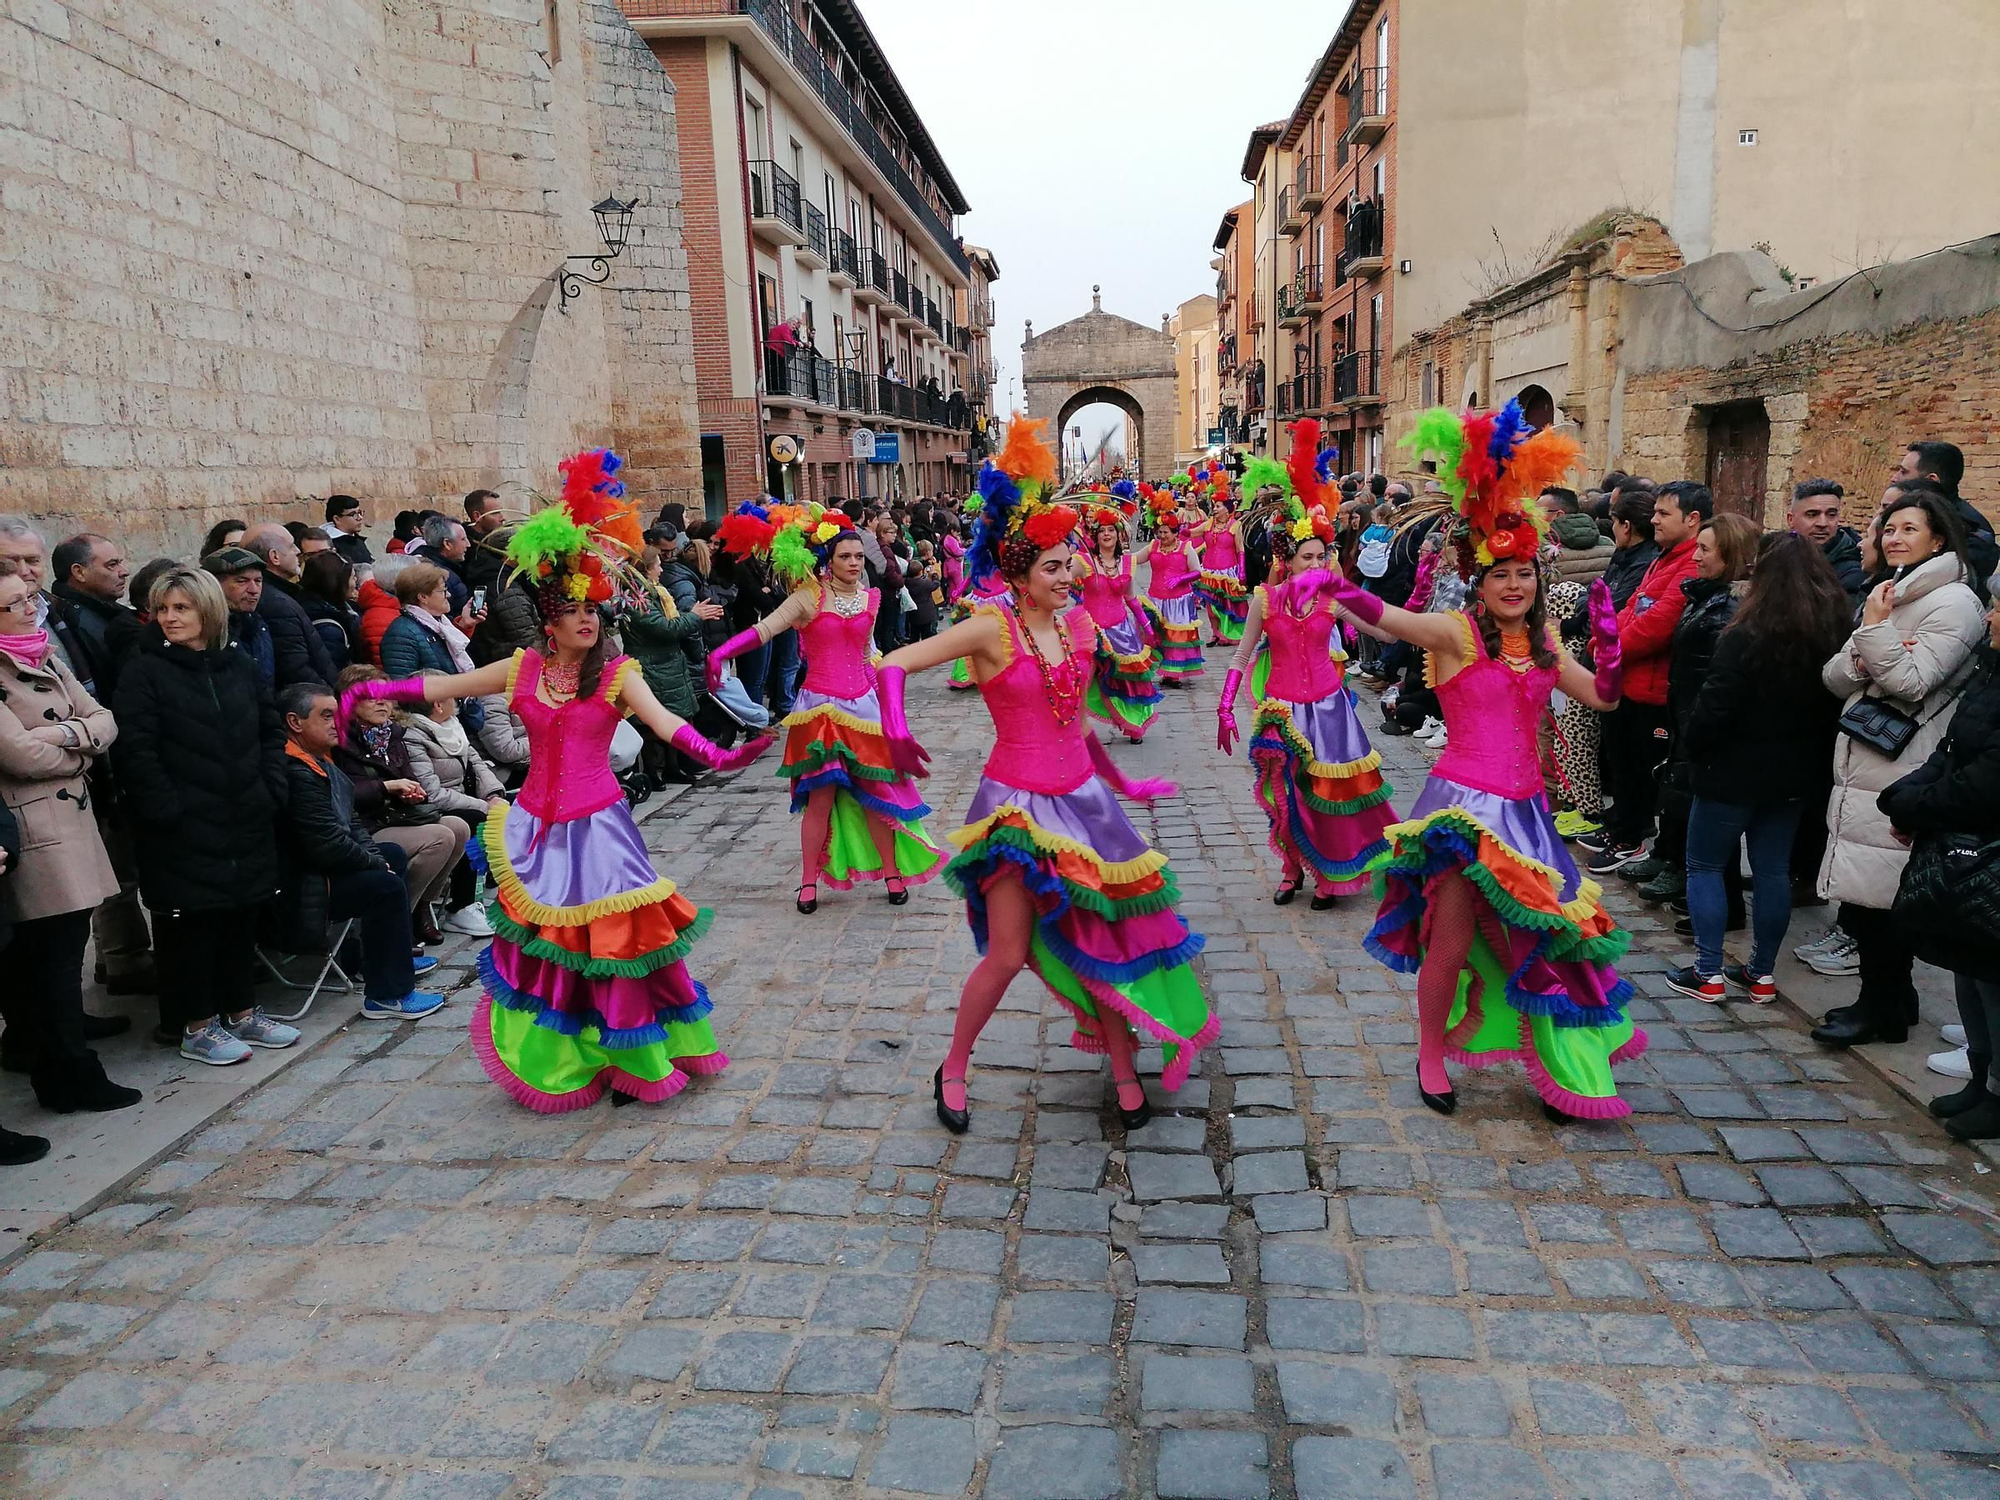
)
(1053, 873)
(1170, 596)
(863, 817)
(1221, 584)
(1319, 780)
(1125, 691)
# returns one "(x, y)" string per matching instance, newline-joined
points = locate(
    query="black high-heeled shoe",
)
(957, 1121)
(1556, 1116)
(1325, 903)
(1445, 1103)
(1286, 891)
(1133, 1119)
(898, 898)
(808, 905)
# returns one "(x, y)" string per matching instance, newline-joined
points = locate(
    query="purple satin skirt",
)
(1523, 824)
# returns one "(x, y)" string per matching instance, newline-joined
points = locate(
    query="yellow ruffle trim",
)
(1006, 635)
(529, 909)
(1469, 645)
(514, 671)
(832, 715)
(1278, 708)
(1589, 894)
(1120, 872)
(617, 684)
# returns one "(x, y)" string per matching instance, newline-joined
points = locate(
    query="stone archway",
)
(1103, 357)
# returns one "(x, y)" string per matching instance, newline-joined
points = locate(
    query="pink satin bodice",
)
(569, 748)
(837, 649)
(1171, 573)
(1108, 595)
(1492, 714)
(1302, 670)
(1218, 552)
(1030, 749)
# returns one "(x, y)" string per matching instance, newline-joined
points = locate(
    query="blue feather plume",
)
(1000, 495)
(1323, 466)
(1125, 489)
(1510, 430)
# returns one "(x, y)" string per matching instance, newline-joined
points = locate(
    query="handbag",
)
(1878, 724)
(1951, 889)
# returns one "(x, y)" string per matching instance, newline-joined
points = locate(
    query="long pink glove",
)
(905, 754)
(395, 689)
(1225, 713)
(1144, 789)
(1300, 587)
(1605, 648)
(736, 645)
(691, 741)
(1358, 602)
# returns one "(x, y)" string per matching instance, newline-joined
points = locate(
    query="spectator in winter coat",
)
(667, 646)
(1913, 648)
(16, 1150)
(298, 654)
(377, 603)
(1635, 733)
(89, 593)
(241, 576)
(326, 589)
(457, 780)
(1633, 548)
(1585, 552)
(512, 623)
(1944, 464)
(341, 873)
(504, 740)
(200, 760)
(422, 639)
(1815, 515)
(484, 525)
(346, 522)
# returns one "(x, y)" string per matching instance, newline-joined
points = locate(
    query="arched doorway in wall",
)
(1090, 417)
(1537, 406)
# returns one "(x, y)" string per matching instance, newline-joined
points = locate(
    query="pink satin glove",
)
(395, 689)
(1225, 713)
(1144, 789)
(905, 754)
(1303, 586)
(1358, 602)
(690, 741)
(736, 645)
(1605, 649)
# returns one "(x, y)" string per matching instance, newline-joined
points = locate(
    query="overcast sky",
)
(1098, 140)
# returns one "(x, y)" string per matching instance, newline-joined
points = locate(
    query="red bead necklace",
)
(1063, 685)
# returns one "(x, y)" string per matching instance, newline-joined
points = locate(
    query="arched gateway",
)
(1103, 357)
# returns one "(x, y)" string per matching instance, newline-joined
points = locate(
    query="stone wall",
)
(1103, 357)
(267, 252)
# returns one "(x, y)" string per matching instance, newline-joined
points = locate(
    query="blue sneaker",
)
(416, 1003)
(423, 963)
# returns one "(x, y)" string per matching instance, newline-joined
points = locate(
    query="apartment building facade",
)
(976, 317)
(1197, 392)
(1267, 167)
(826, 274)
(1239, 369)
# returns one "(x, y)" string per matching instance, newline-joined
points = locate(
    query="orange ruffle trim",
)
(614, 935)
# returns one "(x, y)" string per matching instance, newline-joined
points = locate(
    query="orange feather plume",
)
(1541, 460)
(1302, 463)
(1027, 454)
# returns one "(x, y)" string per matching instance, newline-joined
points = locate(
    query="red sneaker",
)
(1708, 987)
(1763, 988)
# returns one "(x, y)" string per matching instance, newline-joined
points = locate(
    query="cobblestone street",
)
(379, 1277)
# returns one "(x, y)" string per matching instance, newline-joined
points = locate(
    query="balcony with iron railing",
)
(1253, 387)
(774, 204)
(1256, 317)
(1356, 379)
(1290, 219)
(1300, 394)
(1310, 184)
(934, 316)
(1225, 356)
(800, 375)
(1308, 289)
(1367, 106)
(1362, 253)
(899, 293)
(812, 250)
(775, 19)
(843, 267)
(871, 288)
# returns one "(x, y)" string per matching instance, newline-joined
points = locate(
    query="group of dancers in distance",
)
(587, 988)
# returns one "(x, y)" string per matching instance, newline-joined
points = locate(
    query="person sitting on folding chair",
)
(331, 861)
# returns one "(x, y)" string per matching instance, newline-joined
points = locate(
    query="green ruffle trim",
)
(821, 756)
(1567, 945)
(1359, 804)
(1083, 897)
(533, 946)
(1120, 710)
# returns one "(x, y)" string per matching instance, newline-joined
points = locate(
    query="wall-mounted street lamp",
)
(614, 225)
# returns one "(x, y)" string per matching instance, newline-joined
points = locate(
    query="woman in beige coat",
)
(1913, 648)
(51, 733)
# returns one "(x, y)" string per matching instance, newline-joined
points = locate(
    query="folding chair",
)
(330, 968)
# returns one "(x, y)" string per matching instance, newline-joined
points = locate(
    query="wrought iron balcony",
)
(899, 290)
(1301, 394)
(871, 289)
(850, 383)
(1356, 379)
(1290, 219)
(844, 263)
(934, 316)
(1310, 184)
(812, 250)
(1308, 290)
(1367, 106)
(1362, 251)
(774, 204)
(802, 375)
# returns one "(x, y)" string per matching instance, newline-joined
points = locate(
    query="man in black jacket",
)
(328, 858)
(345, 524)
(299, 655)
(1815, 515)
(1633, 548)
(1945, 464)
(484, 521)
(89, 576)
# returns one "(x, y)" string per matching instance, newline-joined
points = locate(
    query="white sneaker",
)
(1439, 740)
(1832, 938)
(1841, 959)
(470, 920)
(1429, 727)
(1951, 1064)
(1954, 1034)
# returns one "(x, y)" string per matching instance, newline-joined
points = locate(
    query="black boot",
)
(1979, 1123)
(63, 1088)
(1946, 1106)
(18, 1150)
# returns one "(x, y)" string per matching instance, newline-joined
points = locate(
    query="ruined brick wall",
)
(266, 252)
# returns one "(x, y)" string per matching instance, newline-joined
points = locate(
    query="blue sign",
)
(888, 448)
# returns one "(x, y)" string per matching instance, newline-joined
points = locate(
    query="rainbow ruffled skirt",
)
(1553, 1001)
(586, 987)
(838, 743)
(1108, 942)
(1124, 689)
(1320, 784)
(1178, 622)
(1228, 602)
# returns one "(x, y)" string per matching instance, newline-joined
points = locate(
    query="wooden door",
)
(1739, 445)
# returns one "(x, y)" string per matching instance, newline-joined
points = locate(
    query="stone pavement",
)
(378, 1277)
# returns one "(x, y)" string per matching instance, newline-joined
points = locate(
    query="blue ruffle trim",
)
(968, 877)
(1330, 869)
(836, 776)
(569, 1023)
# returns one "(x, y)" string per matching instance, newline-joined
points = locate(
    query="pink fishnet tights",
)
(1455, 913)
(817, 826)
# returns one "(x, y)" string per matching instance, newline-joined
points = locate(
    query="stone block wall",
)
(266, 252)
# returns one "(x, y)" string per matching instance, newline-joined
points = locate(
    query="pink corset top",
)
(1302, 669)
(1218, 551)
(569, 748)
(1171, 573)
(1107, 595)
(1493, 713)
(837, 649)
(1031, 750)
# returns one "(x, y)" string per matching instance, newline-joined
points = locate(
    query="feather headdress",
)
(580, 547)
(1492, 466)
(1015, 512)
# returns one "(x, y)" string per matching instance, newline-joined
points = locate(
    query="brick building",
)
(1238, 364)
(267, 252)
(976, 316)
(826, 273)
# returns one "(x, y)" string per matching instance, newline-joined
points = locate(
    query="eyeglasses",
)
(24, 607)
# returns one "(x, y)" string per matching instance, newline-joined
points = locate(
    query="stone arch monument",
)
(1103, 357)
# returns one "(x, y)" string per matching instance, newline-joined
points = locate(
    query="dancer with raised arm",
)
(863, 818)
(587, 986)
(1054, 875)
(1125, 688)
(1511, 945)
(1170, 597)
(1318, 778)
(1220, 583)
